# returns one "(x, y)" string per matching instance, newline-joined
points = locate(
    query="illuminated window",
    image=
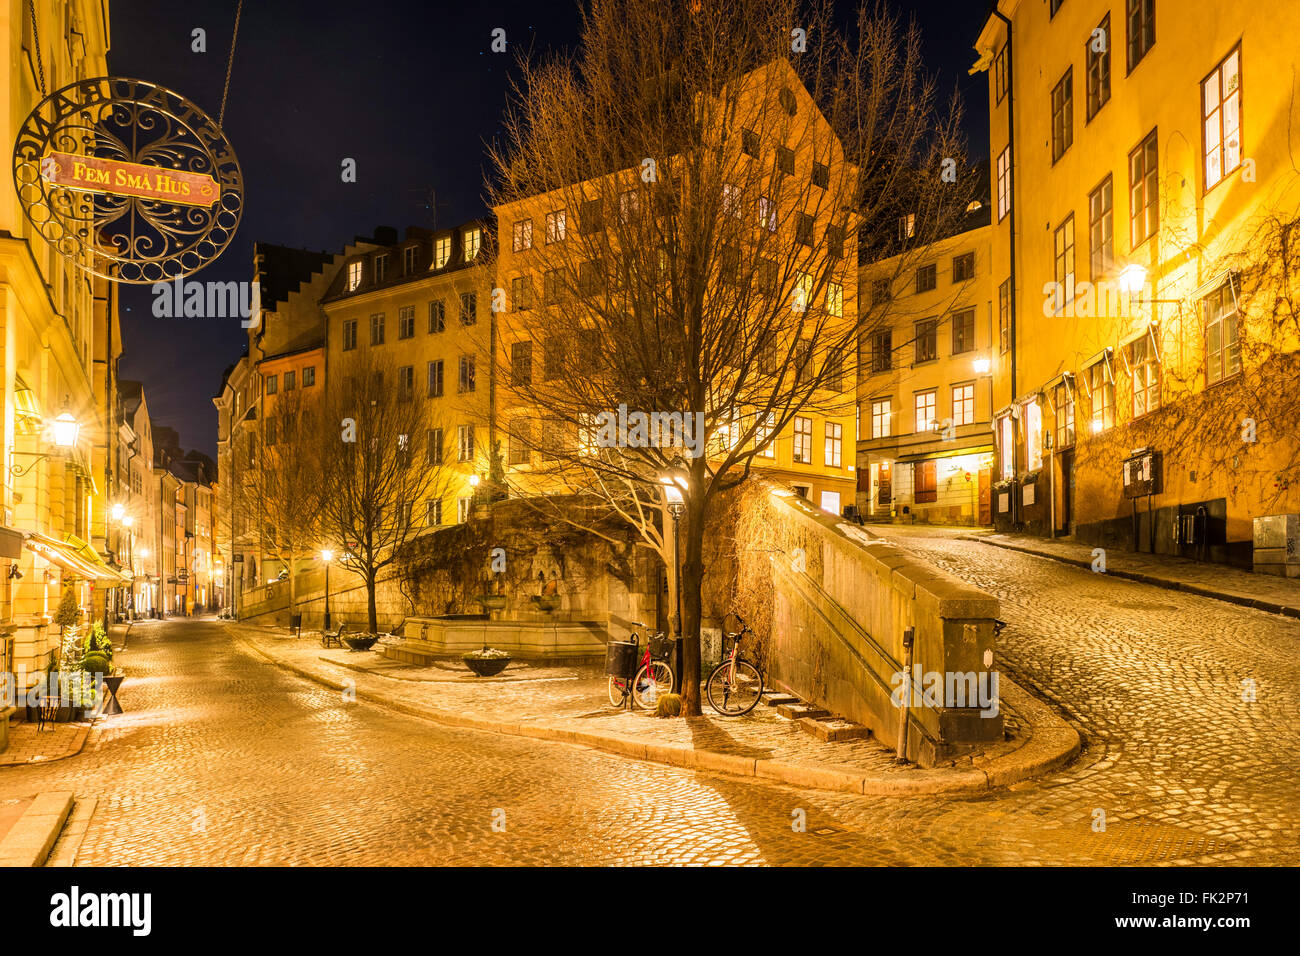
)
(354, 275)
(474, 238)
(1032, 415)
(555, 226)
(1007, 447)
(762, 431)
(1004, 183)
(1063, 399)
(523, 236)
(766, 214)
(925, 402)
(834, 444)
(1144, 366)
(880, 418)
(441, 251)
(803, 440)
(963, 404)
(1102, 392)
(835, 299)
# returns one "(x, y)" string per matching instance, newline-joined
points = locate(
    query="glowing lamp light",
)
(118, 512)
(66, 429)
(982, 366)
(144, 552)
(128, 521)
(1096, 426)
(327, 555)
(1132, 278)
(474, 480)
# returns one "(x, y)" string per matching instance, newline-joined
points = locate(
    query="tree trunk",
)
(692, 604)
(370, 603)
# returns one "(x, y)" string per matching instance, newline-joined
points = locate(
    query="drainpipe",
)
(1011, 146)
(909, 635)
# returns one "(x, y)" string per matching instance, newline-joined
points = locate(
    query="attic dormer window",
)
(381, 266)
(473, 239)
(441, 251)
(354, 275)
(408, 259)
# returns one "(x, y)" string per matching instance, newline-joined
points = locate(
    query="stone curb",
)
(82, 734)
(30, 840)
(1048, 748)
(1169, 584)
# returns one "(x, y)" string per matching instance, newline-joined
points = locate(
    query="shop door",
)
(986, 496)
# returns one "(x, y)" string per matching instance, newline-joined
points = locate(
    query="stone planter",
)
(547, 602)
(492, 602)
(486, 666)
(360, 642)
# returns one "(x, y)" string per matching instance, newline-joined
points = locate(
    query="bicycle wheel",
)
(736, 695)
(652, 680)
(617, 691)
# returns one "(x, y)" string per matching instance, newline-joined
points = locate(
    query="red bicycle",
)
(653, 677)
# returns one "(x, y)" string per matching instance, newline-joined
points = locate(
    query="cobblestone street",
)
(224, 758)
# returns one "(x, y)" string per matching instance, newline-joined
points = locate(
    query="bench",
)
(332, 638)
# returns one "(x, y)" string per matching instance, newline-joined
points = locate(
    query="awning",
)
(75, 560)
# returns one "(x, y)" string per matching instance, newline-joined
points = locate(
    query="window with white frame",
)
(1144, 375)
(433, 512)
(925, 407)
(1063, 400)
(409, 255)
(1222, 350)
(1032, 416)
(354, 275)
(1101, 229)
(766, 214)
(1221, 110)
(880, 418)
(963, 404)
(1097, 56)
(1144, 205)
(1007, 446)
(465, 443)
(834, 444)
(463, 505)
(441, 251)
(803, 428)
(762, 431)
(1063, 243)
(1004, 183)
(1101, 392)
(1063, 115)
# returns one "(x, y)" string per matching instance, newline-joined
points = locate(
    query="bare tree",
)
(282, 493)
(718, 168)
(379, 462)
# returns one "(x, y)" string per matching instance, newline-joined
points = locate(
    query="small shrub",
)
(668, 705)
(96, 663)
(68, 612)
(97, 641)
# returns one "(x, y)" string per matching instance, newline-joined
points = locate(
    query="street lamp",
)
(64, 430)
(118, 511)
(676, 505)
(327, 556)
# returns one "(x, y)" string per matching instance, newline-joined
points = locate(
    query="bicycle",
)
(654, 677)
(735, 686)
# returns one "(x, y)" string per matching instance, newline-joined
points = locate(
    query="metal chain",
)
(36, 39)
(221, 117)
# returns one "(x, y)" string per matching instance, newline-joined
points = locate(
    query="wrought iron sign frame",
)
(124, 236)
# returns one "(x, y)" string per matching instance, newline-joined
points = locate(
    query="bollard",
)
(909, 635)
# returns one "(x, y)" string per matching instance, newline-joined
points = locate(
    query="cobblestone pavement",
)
(222, 758)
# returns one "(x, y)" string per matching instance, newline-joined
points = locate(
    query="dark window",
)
(521, 441)
(1141, 30)
(349, 335)
(1101, 229)
(553, 358)
(521, 293)
(1144, 206)
(1063, 115)
(435, 379)
(803, 230)
(787, 100)
(433, 448)
(1000, 75)
(465, 382)
(926, 278)
(749, 142)
(835, 242)
(882, 351)
(785, 160)
(1097, 56)
(377, 329)
(521, 363)
(927, 340)
(821, 175)
(405, 383)
(963, 267)
(879, 291)
(406, 322)
(437, 316)
(963, 331)
(593, 219)
(468, 308)
(1004, 316)
(309, 376)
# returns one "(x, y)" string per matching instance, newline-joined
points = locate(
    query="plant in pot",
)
(486, 662)
(360, 641)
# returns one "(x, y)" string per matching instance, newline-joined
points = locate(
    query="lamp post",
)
(676, 505)
(327, 556)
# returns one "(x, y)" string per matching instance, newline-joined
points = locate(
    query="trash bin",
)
(620, 659)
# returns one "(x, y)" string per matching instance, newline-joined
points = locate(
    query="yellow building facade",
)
(1141, 175)
(925, 385)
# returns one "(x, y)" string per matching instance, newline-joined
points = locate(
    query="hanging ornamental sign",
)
(129, 180)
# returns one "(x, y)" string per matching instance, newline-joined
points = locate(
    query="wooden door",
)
(986, 496)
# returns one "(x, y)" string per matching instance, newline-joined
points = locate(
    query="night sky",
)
(408, 89)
